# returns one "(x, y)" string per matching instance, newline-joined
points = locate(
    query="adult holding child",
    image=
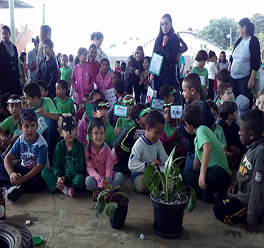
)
(9, 72)
(169, 45)
(245, 60)
(97, 38)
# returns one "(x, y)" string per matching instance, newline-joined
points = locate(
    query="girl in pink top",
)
(98, 158)
(103, 79)
(95, 65)
(82, 76)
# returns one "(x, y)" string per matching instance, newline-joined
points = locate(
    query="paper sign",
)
(110, 97)
(176, 111)
(202, 80)
(157, 103)
(120, 110)
(42, 125)
(138, 133)
(155, 64)
(150, 93)
(89, 110)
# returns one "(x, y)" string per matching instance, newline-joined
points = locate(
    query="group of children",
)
(70, 148)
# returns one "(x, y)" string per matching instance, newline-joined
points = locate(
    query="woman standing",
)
(168, 45)
(132, 73)
(222, 62)
(97, 38)
(245, 60)
(32, 59)
(9, 72)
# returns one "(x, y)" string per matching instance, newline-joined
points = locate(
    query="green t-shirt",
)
(48, 105)
(219, 133)
(168, 131)
(218, 157)
(65, 107)
(66, 74)
(203, 74)
(109, 134)
(123, 122)
(8, 125)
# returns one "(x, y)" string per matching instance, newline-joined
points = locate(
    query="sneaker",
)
(13, 193)
(69, 191)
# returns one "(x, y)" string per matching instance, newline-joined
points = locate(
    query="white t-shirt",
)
(241, 66)
(212, 70)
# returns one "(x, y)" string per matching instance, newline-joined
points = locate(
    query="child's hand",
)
(41, 112)
(175, 132)
(100, 182)
(165, 40)
(60, 183)
(156, 162)
(21, 179)
(118, 131)
(202, 184)
(235, 150)
(251, 83)
(151, 77)
(137, 72)
(250, 228)
(4, 139)
(228, 154)
(204, 90)
(14, 178)
(232, 189)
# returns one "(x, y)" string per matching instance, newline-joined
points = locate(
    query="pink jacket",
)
(82, 80)
(103, 84)
(99, 165)
(82, 130)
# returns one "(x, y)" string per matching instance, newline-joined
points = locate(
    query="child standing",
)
(144, 80)
(48, 69)
(201, 59)
(245, 201)
(32, 149)
(82, 76)
(68, 169)
(103, 79)
(123, 122)
(212, 72)
(98, 158)
(210, 167)
(95, 65)
(148, 149)
(66, 71)
(64, 103)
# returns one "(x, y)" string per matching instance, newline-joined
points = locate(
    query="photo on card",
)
(156, 103)
(120, 110)
(176, 111)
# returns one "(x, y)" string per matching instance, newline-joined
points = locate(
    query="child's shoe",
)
(13, 193)
(69, 191)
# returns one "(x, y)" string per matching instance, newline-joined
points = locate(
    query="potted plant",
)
(168, 195)
(114, 203)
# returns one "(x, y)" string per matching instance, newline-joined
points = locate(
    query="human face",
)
(186, 92)
(102, 112)
(97, 136)
(105, 67)
(261, 103)
(234, 116)
(244, 134)
(242, 31)
(201, 64)
(138, 55)
(188, 128)
(169, 99)
(215, 114)
(92, 54)
(114, 77)
(14, 109)
(44, 93)
(30, 101)
(227, 96)
(145, 64)
(153, 134)
(64, 61)
(141, 121)
(59, 90)
(68, 136)
(47, 50)
(24, 102)
(5, 35)
(222, 57)
(165, 25)
(84, 101)
(29, 129)
(167, 116)
(98, 43)
(83, 57)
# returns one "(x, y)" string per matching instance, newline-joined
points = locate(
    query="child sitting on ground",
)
(98, 158)
(68, 169)
(79, 113)
(170, 137)
(167, 92)
(31, 147)
(123, 122)
(148, 149)
(64, 103)
(261, 100)
(43, 88)
(210, 167)
(245, 201)
(225, 93)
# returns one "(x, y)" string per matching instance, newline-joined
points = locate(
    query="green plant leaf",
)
(117, 187)
(148, 175)
(121, 193)
(154, 180)
(110, 209)
(169, 163)
(192, 199)
(100, 205)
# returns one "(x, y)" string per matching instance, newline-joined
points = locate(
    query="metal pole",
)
(12, 21)
(230, 33)
(43, 14)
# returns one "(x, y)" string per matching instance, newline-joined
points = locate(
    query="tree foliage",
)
(258, 20)
(218, 29)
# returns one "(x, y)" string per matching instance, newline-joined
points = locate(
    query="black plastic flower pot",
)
(168, 218)
(119, 217)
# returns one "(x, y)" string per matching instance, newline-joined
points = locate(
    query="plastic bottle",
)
(2, 206)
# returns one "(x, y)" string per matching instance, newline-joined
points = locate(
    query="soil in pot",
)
(168, 218)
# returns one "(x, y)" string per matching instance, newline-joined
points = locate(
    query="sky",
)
(73, 22)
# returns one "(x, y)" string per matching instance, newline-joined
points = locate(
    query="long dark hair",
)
(171, 30)
(250, 27)
(224, 61)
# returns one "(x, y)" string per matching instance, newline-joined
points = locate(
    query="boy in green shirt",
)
(68, 169)
(123, 122)
(210, 167)
(63, 102)
(66, 71)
